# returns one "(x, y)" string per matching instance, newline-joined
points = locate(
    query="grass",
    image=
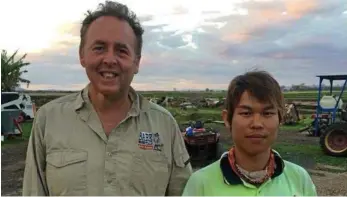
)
(296, 127)
(308, 155)
(193, 114)
(26, 127)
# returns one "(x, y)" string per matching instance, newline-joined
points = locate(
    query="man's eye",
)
(98, 48)
(122, 51)
(269, 113)
(245, 113)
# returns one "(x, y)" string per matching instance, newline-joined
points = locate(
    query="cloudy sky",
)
(188, 44)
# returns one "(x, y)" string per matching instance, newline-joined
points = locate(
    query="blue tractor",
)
(330, 119)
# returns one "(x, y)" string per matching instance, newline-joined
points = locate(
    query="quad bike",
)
(202, 143)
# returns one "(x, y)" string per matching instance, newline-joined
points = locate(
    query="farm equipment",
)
(291, 115)
(202, 143)
(18, 101)
(188, 105)
(10, 127)
(330, 119)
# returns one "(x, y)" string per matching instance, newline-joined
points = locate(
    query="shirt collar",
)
(139, 103)
(231, 178)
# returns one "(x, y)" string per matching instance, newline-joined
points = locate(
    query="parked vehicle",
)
(18, 101)
(201, 142)
(330, 120)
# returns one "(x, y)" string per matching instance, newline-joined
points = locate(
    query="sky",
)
(187, 44)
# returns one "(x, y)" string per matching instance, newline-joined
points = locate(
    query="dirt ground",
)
(12, 169)
(332, 184)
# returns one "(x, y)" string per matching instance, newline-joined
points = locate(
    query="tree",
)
(12, 70)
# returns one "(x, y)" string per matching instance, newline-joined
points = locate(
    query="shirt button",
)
(109, 154)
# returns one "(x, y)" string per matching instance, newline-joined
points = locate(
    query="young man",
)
(106, 139)
(254, 110)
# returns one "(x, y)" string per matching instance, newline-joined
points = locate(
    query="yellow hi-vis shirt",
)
(218, 179)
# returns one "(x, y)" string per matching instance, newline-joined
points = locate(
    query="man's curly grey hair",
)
(118, 10)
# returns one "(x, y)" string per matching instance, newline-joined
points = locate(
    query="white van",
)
(16, 100)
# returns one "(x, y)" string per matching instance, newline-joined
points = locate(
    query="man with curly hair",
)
(106, 139)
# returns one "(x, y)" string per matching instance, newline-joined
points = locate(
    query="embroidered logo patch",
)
(150, 141)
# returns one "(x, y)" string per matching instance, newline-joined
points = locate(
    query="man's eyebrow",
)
(121, 45)
(117, 44)
(269, 107)
(98, 42)
(245, 107)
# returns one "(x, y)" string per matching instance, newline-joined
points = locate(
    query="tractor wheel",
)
(334, 140)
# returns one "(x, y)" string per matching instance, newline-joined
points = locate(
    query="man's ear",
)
(81, 56)
(225, 118)
(137, 64)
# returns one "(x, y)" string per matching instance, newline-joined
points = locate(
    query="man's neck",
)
(107, 105)
(252, 163)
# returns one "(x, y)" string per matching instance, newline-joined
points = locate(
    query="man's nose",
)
(257, 121)
(110, 58)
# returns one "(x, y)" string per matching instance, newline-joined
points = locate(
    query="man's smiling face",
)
(109, 55)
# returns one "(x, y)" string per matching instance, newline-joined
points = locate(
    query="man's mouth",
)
(256, 136)
(108, 75)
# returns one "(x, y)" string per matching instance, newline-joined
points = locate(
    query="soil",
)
(12, 169)
(327, 183)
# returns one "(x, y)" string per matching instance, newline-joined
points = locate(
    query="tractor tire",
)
(333, 140)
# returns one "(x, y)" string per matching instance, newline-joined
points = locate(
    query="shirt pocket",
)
(66, 172)
(150, 173)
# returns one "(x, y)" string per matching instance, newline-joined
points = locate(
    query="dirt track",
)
(12, 168)
(13, 158)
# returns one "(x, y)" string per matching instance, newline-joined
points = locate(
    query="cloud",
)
(204, 46)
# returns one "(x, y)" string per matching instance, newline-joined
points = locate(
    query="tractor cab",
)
(330, 119)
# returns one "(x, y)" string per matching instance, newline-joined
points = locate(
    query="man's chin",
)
(109, 91)
(256, 150)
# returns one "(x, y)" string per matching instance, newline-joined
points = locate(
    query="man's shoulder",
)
(63, 101)
(157, 109)
(294, 170)
(290, 166)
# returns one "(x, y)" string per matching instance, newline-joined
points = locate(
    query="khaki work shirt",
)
(70, 154)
